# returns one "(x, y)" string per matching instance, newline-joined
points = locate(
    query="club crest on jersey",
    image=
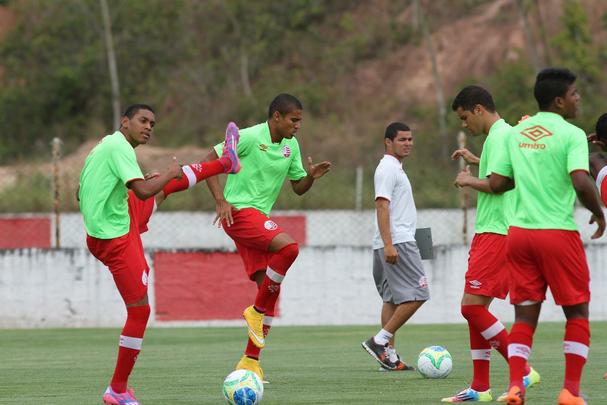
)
(263, 147)
(144, 278)
(286, 151)
(270, 225)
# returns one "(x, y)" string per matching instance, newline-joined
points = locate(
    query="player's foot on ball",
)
(379, 353)
(515, 396)
(470, 395)
(567, 398)
(254, 321)
(248, 363)
(529, 380)
(230, 147)
(113, 398)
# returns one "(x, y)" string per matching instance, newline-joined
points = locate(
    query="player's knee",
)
(140, 313)
(290, 252)
(469, 311)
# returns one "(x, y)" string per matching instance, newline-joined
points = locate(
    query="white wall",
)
(327, 285)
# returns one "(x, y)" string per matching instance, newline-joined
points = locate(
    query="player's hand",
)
(523, 118)
(224, 212)
(594, 139)
(465, 154)
(174, 169)
(390, 254)
(600, 222)
(317, 170)
(463, 178)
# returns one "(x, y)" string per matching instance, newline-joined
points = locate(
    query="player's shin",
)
(519, 350)
(131, 340)
(192, 174)
(480, 351)
(277, 269)
(575, 346)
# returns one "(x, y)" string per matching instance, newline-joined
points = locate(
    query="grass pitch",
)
(305, 365)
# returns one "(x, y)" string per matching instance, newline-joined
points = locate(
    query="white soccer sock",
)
(382, 337)
(392, 354)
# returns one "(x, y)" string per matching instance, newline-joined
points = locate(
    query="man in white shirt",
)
(397, 265)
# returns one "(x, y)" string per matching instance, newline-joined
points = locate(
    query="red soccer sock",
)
(575, 347)
(130, 345)
(480, 349)
(488, 326)
(519, 349)
(278, 265)
(195, 173)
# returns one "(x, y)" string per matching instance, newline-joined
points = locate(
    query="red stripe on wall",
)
(16, 233)
(294, 225)
(200, 286)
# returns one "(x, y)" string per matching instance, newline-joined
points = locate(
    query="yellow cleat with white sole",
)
(254, 321)
(248, 363)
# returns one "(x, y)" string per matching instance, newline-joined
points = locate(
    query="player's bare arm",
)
(145, 189)
(223, 209)
(466, 179)
(586, 193)
(468, 156)
(315, 171)
(500, 184)
(383, 222)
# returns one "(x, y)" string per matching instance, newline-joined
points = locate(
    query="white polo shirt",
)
(392, 183)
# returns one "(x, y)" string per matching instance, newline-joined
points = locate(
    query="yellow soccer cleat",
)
(254, 321)
(529, 380)
(247, 363)
(470, 395)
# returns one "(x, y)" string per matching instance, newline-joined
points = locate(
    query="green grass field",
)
(305, 365)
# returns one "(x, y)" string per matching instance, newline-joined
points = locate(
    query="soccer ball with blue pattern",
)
(243, 387)
(434, 362)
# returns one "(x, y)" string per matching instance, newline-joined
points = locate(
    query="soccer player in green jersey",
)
(269, 153)
(115, 202)
(546, 159)
(487, 275)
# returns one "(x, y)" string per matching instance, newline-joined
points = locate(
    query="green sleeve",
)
(296, 170)
(499, 161)
(123, 163)
(577, 153)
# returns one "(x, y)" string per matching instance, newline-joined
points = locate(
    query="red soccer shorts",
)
(124, 255)
(541, 258)
(487, 273)
(252, 232)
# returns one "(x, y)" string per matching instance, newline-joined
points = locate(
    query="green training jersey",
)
(264, 167)
(103, 192)
(541, 153)
(491, 208)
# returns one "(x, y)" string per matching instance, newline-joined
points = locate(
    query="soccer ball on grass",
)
(434, 362)
(243, 387)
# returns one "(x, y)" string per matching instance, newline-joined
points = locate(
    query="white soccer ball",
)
(243, 387)
(434, 362)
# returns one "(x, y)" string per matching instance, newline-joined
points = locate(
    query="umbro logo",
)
(475, 284)
(536, 132)
(263, 147)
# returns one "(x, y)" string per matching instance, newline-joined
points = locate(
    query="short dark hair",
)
(394, 128)
(551, 83)
(284, 103)
(470, 96)
(601, 127)
(134, 109)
